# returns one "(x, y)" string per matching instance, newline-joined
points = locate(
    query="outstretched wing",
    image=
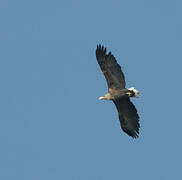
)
(110, 68)
(128, 116)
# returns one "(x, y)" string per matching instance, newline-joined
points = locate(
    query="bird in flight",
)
(118, 93)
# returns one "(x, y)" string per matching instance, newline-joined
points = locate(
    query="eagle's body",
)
(117, 92)
(114, 94)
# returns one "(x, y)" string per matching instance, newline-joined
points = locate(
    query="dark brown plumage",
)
(128, 116)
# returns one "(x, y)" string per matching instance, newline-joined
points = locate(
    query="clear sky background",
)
(52, 125)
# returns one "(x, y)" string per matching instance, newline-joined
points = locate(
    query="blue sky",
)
(52, 125)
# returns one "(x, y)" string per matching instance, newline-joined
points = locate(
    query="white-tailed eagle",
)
(128, 116)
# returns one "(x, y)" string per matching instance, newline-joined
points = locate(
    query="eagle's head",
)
(135, 91)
